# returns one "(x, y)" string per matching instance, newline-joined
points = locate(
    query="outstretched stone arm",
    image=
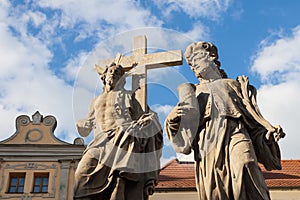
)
(86, 125)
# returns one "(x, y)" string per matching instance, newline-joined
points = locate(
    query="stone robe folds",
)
(228, 141)
(126, 151)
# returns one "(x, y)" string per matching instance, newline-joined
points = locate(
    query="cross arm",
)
(162, 59)
(152, 61)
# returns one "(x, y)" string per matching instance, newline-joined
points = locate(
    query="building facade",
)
(36, 165)
(177, 181)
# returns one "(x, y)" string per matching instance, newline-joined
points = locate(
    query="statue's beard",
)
(110, 84)
(114, 83)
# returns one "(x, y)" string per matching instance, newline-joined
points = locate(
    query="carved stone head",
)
(203, 59)
(113, 76)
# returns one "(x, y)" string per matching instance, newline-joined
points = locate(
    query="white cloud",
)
(279, 59)
(196, 8)
(73, 66)
(278, 64)
(36, 18)
(28, 34)
(103, 16)
(162, 110)
(280, 105)
(26, 82)
(199, 32)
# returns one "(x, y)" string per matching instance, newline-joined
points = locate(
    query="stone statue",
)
(122, 161)
(219, 120)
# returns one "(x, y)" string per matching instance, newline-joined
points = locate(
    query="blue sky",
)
(48, 50)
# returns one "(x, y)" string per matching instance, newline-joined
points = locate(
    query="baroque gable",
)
(37, 130)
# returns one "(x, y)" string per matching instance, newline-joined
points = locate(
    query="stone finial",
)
(37, 118)
(78, 141)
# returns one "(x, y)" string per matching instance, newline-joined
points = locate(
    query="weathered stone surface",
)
(227, 132)
(144, 62)
(123, 160)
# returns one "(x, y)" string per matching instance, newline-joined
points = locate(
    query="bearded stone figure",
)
(220, 121)
(122, 160)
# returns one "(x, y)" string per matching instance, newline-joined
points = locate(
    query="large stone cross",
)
(144, 62)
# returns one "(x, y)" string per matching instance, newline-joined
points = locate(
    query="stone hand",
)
(178, 112)
(275, 134)
(90, 123)
(145, 119)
